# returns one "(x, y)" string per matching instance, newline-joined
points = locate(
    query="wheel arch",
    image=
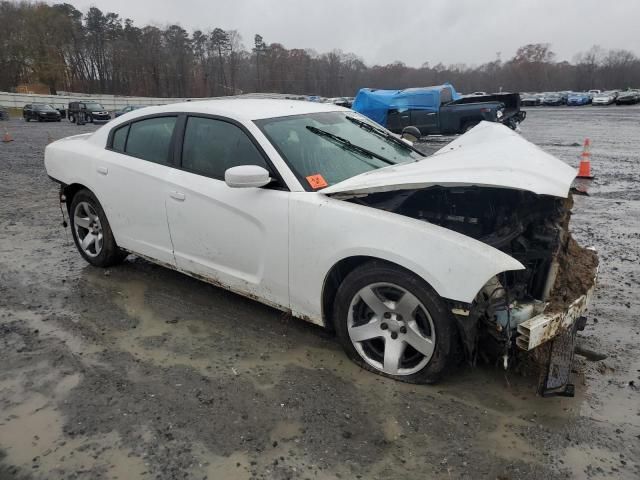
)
(71, 190)
(337, 274)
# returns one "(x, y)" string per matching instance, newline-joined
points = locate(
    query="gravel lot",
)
(141, 372)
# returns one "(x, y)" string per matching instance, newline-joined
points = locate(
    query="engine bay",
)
(533, 229)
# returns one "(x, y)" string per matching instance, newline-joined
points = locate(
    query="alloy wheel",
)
(391, 329)
(88, 229)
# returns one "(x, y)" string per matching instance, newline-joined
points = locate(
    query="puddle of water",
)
(286, 431)
(234, 467)
(35, 430)
(586, 461)
(66, 384)
(131, 296)
(505, 443)
(75, 343)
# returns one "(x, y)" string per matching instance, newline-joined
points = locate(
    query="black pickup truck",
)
(438, 110)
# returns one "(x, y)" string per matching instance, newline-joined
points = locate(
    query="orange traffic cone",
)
(585, 161)
(6, 138)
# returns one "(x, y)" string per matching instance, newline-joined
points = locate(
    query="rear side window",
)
(151, 139)
(212, 146)
(119, 138)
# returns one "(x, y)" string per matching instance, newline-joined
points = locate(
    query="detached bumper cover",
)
(546, 326)
(557, 374)
(555, 333)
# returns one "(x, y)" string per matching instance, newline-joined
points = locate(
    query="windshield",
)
(94, 107)
(43, 108)
(325, 148)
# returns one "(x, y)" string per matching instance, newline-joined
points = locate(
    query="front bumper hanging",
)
(553, 336)
(556, 378)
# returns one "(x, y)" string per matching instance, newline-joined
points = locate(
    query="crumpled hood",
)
(489, 155)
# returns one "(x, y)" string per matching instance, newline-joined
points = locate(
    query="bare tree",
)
(98, 51)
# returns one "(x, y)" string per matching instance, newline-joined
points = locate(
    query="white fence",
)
(111, 102)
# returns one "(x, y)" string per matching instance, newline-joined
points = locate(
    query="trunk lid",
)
(489, 155)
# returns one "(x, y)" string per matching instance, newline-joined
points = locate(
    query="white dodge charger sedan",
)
(415, 262)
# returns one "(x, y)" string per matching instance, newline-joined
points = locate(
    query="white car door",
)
(237, 237)
(131, 184)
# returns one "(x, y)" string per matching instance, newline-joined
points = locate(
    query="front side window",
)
(150, 139)
(326, 148)
(212, 146)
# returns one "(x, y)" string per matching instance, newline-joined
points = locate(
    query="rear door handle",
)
(177, 195)
(103, 170)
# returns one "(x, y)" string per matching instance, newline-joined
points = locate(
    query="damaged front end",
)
(523, 315)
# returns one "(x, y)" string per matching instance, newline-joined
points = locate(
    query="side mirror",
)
(411, 133)
(247, 176)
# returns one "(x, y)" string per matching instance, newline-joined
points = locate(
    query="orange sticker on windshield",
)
(317, 181)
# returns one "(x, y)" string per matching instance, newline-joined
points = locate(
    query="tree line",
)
(98, 52)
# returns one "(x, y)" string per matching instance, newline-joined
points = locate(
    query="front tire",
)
(391, 322)
(91, 231)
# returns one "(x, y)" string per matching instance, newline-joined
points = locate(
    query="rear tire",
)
(91, 231)
(391, 322)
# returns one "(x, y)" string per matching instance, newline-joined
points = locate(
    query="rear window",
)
(151, 139)
(120, 138)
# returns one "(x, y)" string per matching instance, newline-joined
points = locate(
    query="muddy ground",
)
(141, 372)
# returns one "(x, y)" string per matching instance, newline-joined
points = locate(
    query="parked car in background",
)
(628, 97)
(127, 109)
(578, 98)
(531, 99)
(437, 110)
(93, 112)
(605, 98)
(595, 92)
(553, 99)
(41, 112)
(61, 109)
(416, 263)
(341, 102)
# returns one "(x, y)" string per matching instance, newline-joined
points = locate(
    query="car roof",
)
(245, 108)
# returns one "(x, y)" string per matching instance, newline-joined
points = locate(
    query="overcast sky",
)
(414, 32)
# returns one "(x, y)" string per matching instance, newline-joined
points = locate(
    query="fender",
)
(456, 266)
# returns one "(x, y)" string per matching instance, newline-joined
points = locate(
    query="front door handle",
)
(103, 170)
(177, 195)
